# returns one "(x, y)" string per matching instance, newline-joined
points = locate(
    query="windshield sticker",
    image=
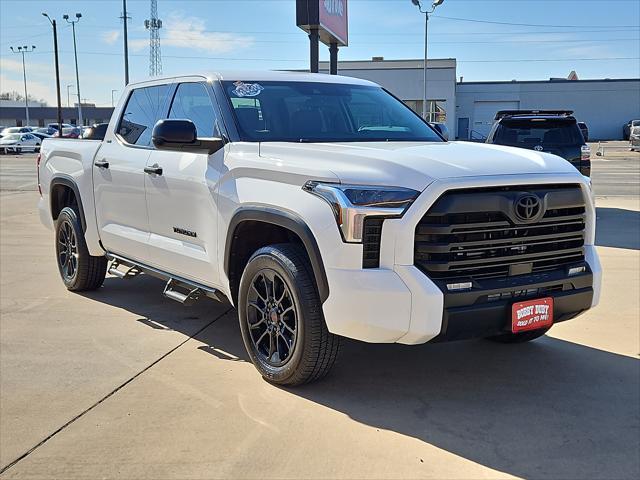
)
(247, 89)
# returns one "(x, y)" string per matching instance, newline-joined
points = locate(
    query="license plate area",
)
(532, 314)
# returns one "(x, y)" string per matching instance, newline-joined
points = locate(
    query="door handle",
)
(102, 164)
(153, 170)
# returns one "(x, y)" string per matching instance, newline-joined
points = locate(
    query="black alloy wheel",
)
(67, 250)
(271, 318)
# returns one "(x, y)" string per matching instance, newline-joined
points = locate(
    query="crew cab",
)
(552, 131)
(321, 207)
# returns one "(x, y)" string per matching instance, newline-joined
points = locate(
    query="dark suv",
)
(551, 131)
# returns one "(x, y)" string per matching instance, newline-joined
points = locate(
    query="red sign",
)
(531, 315)
(333, 18)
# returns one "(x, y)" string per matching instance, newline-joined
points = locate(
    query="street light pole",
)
(68, 96)
(75, 53)
(22, 50)
(418, 4)
(55, 50)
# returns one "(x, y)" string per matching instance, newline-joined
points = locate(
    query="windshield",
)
(528, 133)
(322, 112)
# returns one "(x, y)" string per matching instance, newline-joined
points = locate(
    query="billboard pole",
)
(333, 58)
(314, 53)
(324, 21)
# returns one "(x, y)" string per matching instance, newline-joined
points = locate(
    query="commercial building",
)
(11, 116)
(468, 108)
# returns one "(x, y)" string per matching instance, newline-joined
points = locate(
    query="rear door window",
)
(144, 108)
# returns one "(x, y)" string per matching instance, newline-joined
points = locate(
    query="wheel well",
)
(249, 236)
(62, 196)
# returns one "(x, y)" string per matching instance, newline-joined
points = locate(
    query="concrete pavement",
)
(122, 383)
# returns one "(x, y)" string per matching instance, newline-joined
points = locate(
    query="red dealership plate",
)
(531, 315)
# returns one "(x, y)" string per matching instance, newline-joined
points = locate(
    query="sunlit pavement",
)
(124, 383)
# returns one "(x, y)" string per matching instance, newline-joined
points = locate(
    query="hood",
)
(413, 164)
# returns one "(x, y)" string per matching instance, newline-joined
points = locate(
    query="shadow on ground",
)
(550, 408)
(617, 227)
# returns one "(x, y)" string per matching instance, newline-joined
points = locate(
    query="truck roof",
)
(265, 76)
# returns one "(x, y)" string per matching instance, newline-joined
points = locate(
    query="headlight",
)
(351, 204)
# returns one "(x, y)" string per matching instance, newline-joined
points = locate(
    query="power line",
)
(492, 22)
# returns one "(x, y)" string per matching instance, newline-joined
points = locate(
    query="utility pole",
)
(24, 49)
(55, 50)
(125, 19)
(75, 53)
(154, 24)
(418, 4)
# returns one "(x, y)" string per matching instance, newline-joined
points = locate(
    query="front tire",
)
(281, 319)
(78, 269)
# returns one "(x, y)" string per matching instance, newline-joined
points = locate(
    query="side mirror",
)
(181, 136)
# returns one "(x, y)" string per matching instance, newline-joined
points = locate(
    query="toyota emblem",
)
(528, 207)
(538, 148)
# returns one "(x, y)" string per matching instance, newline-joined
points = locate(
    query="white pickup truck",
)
(321, 207)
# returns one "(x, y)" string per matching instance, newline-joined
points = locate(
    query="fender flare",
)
(68, 182)
(290, 221)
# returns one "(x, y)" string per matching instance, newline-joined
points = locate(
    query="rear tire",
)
(519, 337)
(78, 269)
(281, 319)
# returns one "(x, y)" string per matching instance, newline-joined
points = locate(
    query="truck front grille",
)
(476, 233)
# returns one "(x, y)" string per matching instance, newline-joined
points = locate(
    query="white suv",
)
(321, 207)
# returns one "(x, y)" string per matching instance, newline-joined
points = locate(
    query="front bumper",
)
(405, 306)
(398, 303)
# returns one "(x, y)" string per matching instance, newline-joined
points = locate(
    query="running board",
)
(179, 289)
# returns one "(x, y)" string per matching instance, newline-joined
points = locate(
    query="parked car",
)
(626, 130)
(634, 139)
(584, 130)
(68, 132)
(551, 131)
(19, 142)
(55, 125)
(321, 207)
(40, 135)
(46, 130)
(10, 130)
(95, 132)
(441, 128)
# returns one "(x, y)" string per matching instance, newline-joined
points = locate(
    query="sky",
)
(491, 39)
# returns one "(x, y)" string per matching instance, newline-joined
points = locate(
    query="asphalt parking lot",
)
(123, 383)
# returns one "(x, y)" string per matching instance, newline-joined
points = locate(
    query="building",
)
(41, 116)
(469, 108)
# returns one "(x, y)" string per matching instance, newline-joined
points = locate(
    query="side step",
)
(130, 272)
(179, 289)
(188, 297)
